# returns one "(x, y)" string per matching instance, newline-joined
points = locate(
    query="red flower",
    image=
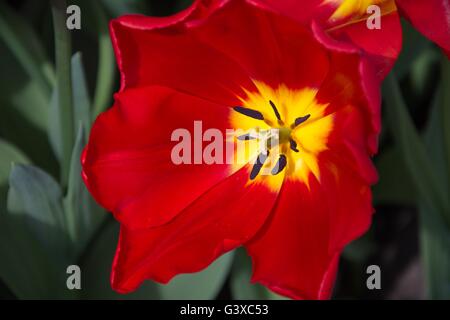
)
(234, 65)
(345, 21)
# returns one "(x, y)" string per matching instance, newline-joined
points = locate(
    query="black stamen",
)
(300, 120)
(293, 145)
(249, 113)
(246, 137)
(262, 157)
(281, 164)
(274, 107)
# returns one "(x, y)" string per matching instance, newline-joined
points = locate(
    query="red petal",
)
(127, 164)
(290, 254)
(381, 46)
(430, 17)
(296, 252)
(209, 227)
(149, 53)
(268, 46)
(348, 144)
(301, 11)
(351, 81)
(350, 198)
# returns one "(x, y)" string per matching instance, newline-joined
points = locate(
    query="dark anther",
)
(300, 120)
(262, 157)
(293, 145)
(274, 107)
(281, 164)
(245, 137)
(249, 113)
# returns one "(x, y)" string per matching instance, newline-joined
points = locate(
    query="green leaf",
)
(434, 232)
(445, 108)
(36, 197)
(81, 108)
(423, 72)
(24, 43)
(203, 285)
(22, 102)
(73, 199)
(9, 154)
(55, 127)
(394, 186)
(63, 48)
(26, 267)
(81, 100)
(30, 140)
(241, 288)
(435, 251)
(413, 45)
(105, 76)
(418, 163)
(96, 267)
(21, 92)
(83, 215)
(434, 141)
(106, 61)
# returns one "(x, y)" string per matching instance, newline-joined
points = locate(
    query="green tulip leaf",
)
(83, 215)
(416, 158)
(434, 232)
(203, 285)
(26, 267)
(24, 44)
(9, 154)
(36, 197)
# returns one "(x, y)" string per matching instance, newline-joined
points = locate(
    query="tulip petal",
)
(209, 227)
(150, 55)
(301, 11)
(290, 254)
(297, 251)
(381, 46)
(127, 164)
(353, 79)
(271, 48)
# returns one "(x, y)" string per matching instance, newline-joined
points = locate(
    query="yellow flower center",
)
(281, 132)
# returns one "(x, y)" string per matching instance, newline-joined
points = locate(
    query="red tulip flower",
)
(345, 22)
(234, 65)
